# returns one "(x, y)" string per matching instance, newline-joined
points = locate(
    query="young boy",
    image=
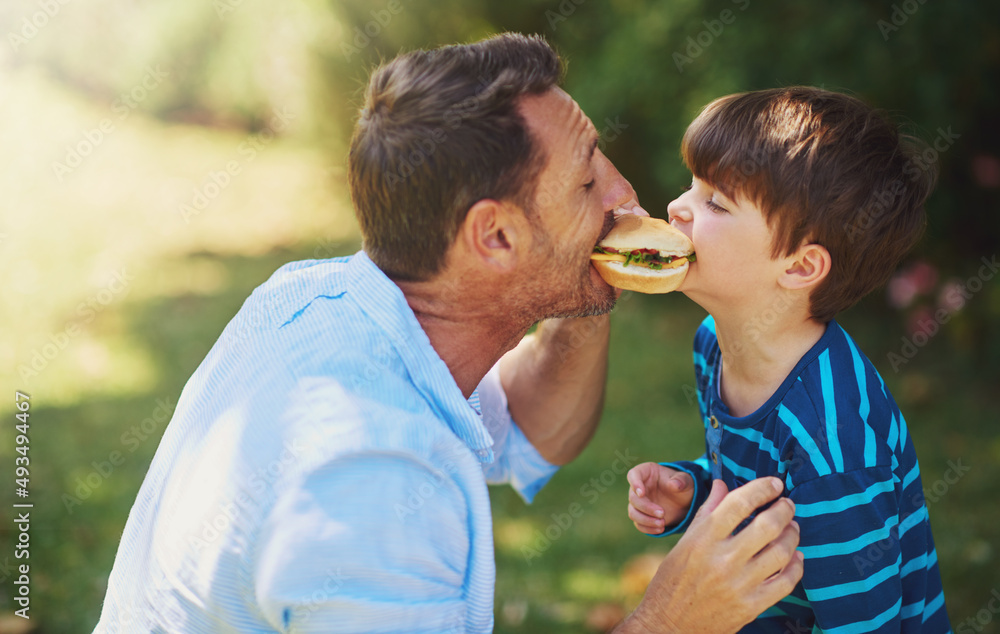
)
(803, 201)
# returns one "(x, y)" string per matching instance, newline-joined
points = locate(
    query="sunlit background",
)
(158, 160)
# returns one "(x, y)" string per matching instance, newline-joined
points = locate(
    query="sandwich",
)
(643, 254)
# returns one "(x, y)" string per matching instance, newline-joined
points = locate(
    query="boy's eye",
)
(686, 188)
(711, 204)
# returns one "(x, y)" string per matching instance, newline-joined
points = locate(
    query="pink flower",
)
(906, 285)
(925, 276)
(902, 291)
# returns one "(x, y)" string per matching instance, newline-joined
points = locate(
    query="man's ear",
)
(490, 233)
(806, 268)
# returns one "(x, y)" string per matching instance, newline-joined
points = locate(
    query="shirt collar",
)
(386, 305)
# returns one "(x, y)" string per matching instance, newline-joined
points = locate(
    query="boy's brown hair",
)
(823, 167)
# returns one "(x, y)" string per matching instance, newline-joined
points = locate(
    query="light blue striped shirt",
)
(322, 473)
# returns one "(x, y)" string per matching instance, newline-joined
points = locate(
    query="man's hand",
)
(714, 582)
(658, 496)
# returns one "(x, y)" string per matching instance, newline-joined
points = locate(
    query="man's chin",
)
(588, 297)
(591, 310)
(599, 297)
(596, 310)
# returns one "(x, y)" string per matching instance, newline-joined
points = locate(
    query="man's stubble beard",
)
(569, 291)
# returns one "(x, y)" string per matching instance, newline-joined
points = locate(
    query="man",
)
(326, 467)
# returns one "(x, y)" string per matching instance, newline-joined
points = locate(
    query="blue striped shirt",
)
(834, 434)
(322, 473)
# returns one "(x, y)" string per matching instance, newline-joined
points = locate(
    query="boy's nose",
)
(679, 211)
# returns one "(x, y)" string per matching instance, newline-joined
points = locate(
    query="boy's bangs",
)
(727, 152)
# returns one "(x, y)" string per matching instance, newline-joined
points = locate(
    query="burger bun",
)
(642, 232)
(640, 278)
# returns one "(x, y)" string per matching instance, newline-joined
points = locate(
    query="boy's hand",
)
(658, 496)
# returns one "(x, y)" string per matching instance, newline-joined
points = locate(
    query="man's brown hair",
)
(823, 167)
(440, 130)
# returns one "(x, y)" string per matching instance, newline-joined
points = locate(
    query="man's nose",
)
(617, 191)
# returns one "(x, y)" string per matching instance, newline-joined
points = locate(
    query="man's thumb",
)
(715, 497)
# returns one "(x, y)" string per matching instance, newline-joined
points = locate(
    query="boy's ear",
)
(807, 267)
(489, 234)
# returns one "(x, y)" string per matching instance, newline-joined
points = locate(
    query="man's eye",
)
(590, 185)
